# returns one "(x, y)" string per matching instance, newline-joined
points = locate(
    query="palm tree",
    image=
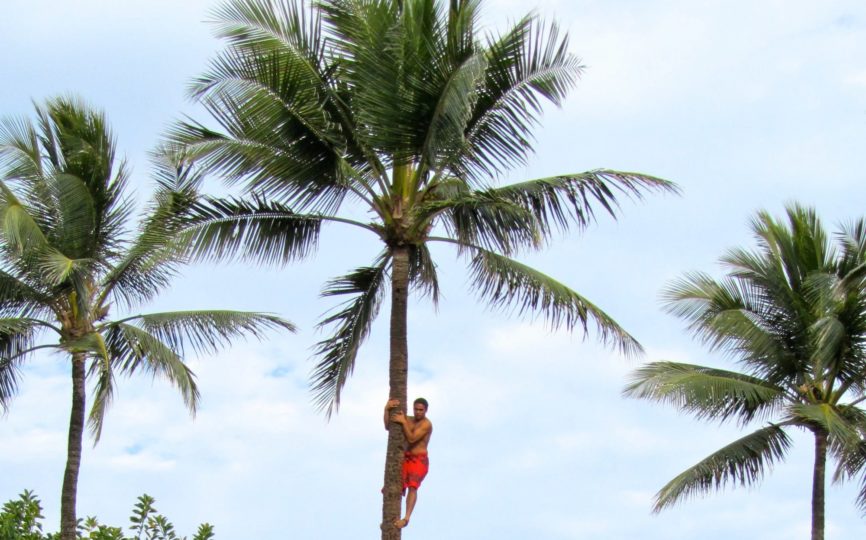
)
(66, 258)
(402, 109)
(792, 314)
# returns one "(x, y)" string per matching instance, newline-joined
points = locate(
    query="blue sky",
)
(746, 104)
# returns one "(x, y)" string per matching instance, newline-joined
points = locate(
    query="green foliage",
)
(413, 112)
(792, 315)
(21, 519)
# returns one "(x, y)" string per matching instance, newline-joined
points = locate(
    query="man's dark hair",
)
(422, 401)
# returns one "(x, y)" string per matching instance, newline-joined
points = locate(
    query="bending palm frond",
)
(135, 349)
(828, 418)
(509, 285)
(484, 219)
(16, 341)
(529, 61)
(560, 202)
(352, 323)
(153, 256)
(705, 392)
(257, 230)
(19, 149)
(21, 232)
(733, 315)
(19, 298)
(742, 462)
(205, 331)
(422, 272)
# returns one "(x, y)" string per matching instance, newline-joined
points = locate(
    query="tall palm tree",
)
(402, 109)
(66, 259)
(792, 314)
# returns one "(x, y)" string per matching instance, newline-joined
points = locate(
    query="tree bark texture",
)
(397, 373)
(68, 520)
(818, 483)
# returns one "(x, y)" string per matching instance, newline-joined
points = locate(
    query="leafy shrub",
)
(21, 519)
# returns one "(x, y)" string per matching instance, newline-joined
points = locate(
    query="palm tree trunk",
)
(68, 520)
(818, 482)
(397, 373)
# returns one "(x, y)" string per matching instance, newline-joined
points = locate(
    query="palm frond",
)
(850, 458)
(18, 298)
(511, 286)
(562, 202)
(20, 231)
(257, 230)
(16, 340)
(206, 331)
(742, 462)
(103, 394)
(56, 268)
(528, 63)
(19, 149)
(269, 24)
(72, 231)
(422, 272)
(852, 238)
(705, 392)
(445, 139)
(826, 417)
(351, 322)
(152, 258)
(10, 371)
(85, 147)
(135, 349)
(482, 218)
(733, 315)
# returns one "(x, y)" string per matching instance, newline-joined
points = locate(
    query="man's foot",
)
(400, 523)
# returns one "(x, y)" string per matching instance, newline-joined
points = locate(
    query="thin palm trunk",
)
(398, 368)
(818, 481)
(68, 520)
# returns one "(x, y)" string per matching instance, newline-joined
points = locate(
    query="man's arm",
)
(414, 431)
(392, 403)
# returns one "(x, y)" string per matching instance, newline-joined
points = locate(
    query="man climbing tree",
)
(417, 431)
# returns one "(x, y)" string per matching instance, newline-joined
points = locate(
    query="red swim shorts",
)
(415, 467)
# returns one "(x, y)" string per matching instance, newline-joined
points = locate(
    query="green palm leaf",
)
(153, 256)
(422, 273)
(705, 392)
(483, 218)
(206, 331)
(827, 417)
(529, 61)
(257, 230)
(351, 322)
(18, 298)
(19, 149)
(16, 340)
(133, 349)
(560, 202)
(20, 231)
(742, 462)
(509, 285)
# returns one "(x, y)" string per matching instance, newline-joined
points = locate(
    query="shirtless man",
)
(415, 463)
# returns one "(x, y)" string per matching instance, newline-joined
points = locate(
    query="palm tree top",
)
(791, 313)
(407, 110)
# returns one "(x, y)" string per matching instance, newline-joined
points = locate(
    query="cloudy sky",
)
(746, 104)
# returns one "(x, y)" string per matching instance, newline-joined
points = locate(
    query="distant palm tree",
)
(402, 108)
(66, 258)
(793, 315)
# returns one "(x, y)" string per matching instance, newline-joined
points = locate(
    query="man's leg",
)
(411, 498)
